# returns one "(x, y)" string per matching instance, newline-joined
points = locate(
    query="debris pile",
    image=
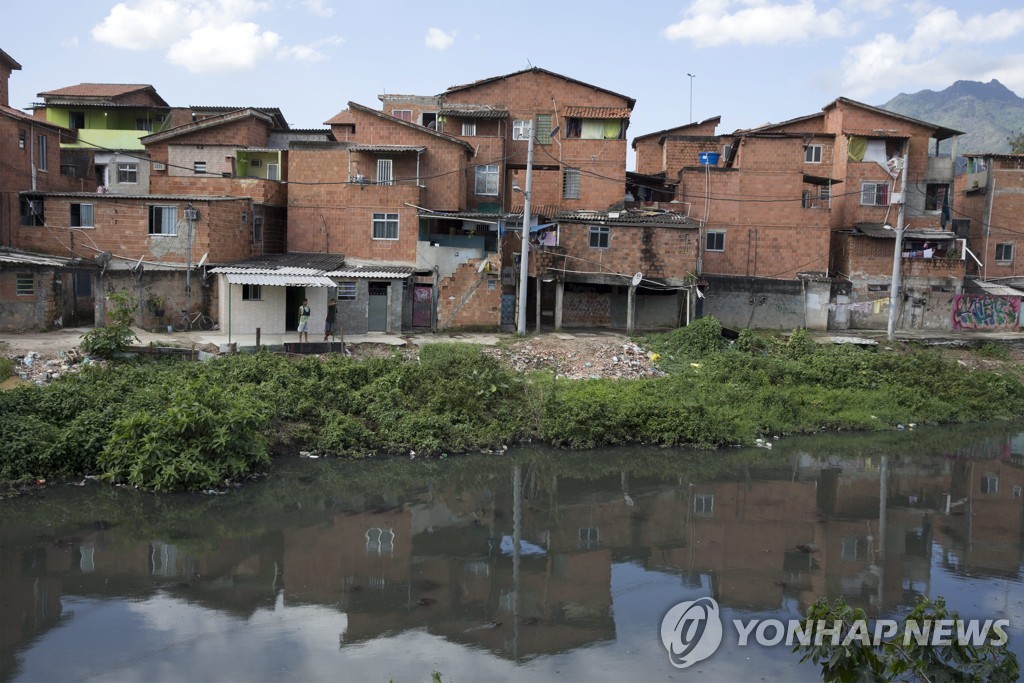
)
(580, 358)
(36, 369)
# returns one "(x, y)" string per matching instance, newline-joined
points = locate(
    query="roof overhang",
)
(278, 279)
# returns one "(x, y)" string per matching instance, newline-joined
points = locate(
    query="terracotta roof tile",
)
(597, 112)
(343, 118)
(95, 90)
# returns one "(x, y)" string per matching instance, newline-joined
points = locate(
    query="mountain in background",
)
(987, 112)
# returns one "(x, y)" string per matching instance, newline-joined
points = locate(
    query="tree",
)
(1016, 143)
(900, 658)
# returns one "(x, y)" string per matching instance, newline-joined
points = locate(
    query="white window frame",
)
(347, 290)
(600, 237)
(704, 504)
(486, 180)
(385, 172)
(252, 293)
(990, 484)
(381, 227)
(468, 129)
(126, 170)
(402, 114)
(521, 129)
(199, 167)
(273, 171)
(544, 129)
(41, 164)
(1004, 247)
(165, 210)
(571, 183)
(812, 154)
(24, 284)
(870, 190)
(83, 221)
(718, 241)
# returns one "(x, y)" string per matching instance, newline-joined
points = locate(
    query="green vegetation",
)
(1016, 143)
(6, 368)
(896, 658)
(117, 336)
(170, 425)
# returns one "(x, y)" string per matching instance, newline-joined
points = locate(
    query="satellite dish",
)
(103, 258)
(202, 261)
(138, 265)
(637, 278)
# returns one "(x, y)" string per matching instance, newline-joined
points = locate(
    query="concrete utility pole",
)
(897, 254)
(524, 269)
(190, 215)
(692, 76)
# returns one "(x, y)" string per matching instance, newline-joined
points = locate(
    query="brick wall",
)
(470, 298)
(260, 190)
(29, 313)
(122, 228)
(1004, 191)
(586, 306)
(657, 252)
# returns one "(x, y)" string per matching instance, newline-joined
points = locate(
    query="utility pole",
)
(524, 269)
(190, 215)
(897, 254)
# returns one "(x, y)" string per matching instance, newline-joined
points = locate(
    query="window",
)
(380, 541)
(812, 154)
(990, 484)
(599, 237)
(1017, 490)
(25, 284)
(726, 152)
(21, 139)
(544, 129)
(1004, 253)
(404, 114)
(487, 180)
(81, 216)
(127, 173)
(468, 128)
(850, 548)
(935, 196)
(874, 194)
(384, 168)
(825, 193)
(273, 171)
(76, 120)
(714, 241)
(385, 226)
(590, 537)
(879, 288)
(143, 124)
(41, 164)
(252, 293)
(32, 212)
(163, 220)
(257, 229)
(704, 504)
(199, 167)
(521, 130)
(571, 183)
(347, 291)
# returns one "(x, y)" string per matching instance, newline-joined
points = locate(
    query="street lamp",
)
(692, 76)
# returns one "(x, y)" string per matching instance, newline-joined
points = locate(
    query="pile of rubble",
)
(35, 369)
(580, 358)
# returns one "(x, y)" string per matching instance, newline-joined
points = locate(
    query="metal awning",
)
(542, 226)
(820, 180)
(997, 289)
(280, 280)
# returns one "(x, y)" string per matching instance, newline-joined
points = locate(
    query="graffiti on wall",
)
(985, 312)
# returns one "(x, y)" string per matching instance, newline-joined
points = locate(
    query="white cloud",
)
(755, 22)
(935, 53)
(223, 48)
(438, 39)
(318, 7)
(309, 52)
(201, 35)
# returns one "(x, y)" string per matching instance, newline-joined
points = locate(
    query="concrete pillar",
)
(559, 293)
(631, 310)
(538, 303)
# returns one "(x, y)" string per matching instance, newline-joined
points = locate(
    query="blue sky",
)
(753, 61)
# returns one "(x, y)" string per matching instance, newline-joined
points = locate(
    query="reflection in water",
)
(550, 565)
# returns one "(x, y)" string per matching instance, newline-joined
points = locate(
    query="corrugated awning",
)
(578, 112)
(543, 226)
(280, 280)
(997, 289)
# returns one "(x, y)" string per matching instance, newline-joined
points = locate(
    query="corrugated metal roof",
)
(376, 271)
(866, 133)
(278, 279)
(109, 197)
(880, 231)
(467, 113)
(25, 258)
(628, 217)
(387, 148)
(597, 112)
(997, 289)
(309, 262)
(96, 90)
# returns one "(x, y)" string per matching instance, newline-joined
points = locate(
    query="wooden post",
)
(538, 278)
(258, 339)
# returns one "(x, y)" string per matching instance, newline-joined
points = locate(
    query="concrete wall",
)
(39, 311)
(757, 303)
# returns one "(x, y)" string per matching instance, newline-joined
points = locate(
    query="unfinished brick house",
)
(779, 207)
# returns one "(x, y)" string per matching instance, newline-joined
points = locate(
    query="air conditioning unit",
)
(159, 166)
(256, 163)
(192, 214)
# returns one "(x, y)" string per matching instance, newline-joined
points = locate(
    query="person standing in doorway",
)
(304, 321)
(332, 307)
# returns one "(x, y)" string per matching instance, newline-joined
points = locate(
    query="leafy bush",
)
(993, 350)
(700, 338)
(6, 368)
(117, 336)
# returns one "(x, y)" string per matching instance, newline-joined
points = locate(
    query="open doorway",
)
(293, 299)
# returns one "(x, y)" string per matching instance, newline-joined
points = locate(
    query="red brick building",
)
(988, 203)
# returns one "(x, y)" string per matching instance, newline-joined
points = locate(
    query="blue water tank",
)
(709, 158)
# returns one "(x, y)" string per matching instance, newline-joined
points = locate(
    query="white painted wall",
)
(268, 314)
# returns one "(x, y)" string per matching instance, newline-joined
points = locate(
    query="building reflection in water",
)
(520, 564)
